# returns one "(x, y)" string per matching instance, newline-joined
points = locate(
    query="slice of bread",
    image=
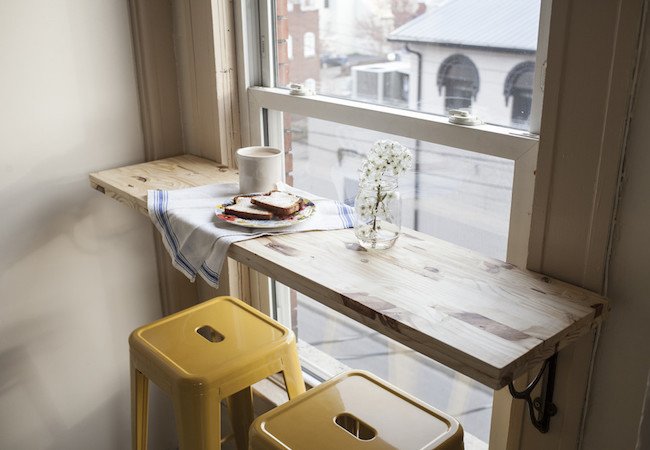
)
(250, 195)
(279, 203)
(246, 210)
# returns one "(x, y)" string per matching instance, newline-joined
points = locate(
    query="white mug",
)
(259, 168)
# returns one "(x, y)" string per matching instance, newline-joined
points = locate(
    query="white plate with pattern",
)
(305, 213)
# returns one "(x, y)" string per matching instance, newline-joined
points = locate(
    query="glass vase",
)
(378, 216)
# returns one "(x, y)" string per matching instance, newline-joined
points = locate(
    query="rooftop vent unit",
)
(383, 83)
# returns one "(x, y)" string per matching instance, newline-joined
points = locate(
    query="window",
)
(392, 70)
(309, 44)
(431, 44)
(308, 5)
(290, 47)
(458, 78)
(459, 196)
(519, 86)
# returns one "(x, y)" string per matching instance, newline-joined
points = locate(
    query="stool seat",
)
(215, 350)
(209, 342)
(355, 410)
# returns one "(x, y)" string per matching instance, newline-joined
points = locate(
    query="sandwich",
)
(244, 208)
(279, 203)
(265, 206)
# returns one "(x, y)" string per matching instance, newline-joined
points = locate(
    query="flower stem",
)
(374, 221)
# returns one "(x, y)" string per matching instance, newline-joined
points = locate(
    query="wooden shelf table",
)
(479, 316)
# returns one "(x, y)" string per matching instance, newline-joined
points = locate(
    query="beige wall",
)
(76, 269)
(623, 358)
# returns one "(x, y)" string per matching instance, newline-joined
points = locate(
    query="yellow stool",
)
(203, 354)
(355, 410)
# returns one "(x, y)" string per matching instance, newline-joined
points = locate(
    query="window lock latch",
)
(463, 117)
(300, 89)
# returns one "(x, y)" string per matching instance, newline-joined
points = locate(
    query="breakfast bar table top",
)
(480, 316)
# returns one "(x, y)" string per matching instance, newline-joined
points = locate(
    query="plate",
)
(300, 216)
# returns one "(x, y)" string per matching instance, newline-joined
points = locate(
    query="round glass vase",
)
(377, 213)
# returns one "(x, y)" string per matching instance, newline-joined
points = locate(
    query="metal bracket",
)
(543, 404)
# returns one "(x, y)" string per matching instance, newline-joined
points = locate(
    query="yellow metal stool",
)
(355, 410)
(203, 354)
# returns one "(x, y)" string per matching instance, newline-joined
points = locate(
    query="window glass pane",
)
(456, 195)
(431, 56)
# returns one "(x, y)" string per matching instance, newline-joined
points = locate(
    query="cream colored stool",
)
(203, 354)
(355, 410)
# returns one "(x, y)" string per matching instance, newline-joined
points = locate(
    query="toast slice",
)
(246, 210)
(279, 203)
(249, 195)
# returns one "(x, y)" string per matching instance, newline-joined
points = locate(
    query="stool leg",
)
(240, 407)
(293, 374)
(197, 421)
(139, 409)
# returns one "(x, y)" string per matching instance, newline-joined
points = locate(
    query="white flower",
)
(384, 158)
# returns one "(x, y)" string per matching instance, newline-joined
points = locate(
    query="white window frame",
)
(580, 154)
(261, 105)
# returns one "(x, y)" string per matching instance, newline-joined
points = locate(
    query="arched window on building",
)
(309, 44)
(519, 86)
(459, 77)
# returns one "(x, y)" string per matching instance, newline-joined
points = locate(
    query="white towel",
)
(198, 242)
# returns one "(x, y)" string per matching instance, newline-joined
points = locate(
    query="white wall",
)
(623, 357)
(77, 269)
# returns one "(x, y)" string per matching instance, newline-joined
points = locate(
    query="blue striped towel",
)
(198, 242)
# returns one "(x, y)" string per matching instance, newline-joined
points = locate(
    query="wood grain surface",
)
(480, 316)
(129, 185)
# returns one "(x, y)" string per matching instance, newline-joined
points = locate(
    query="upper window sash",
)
(258, 53)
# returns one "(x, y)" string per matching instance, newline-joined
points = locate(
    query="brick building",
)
(297, 25)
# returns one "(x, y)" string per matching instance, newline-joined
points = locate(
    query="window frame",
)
(260, 100)
(260, 103)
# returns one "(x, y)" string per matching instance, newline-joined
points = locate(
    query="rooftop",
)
(509, 25)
